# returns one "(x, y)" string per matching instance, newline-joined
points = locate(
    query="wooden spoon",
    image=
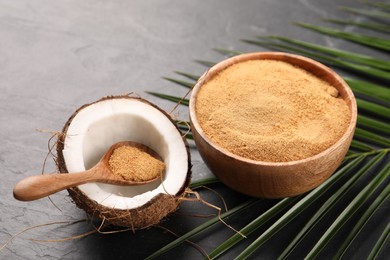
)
(39, 186)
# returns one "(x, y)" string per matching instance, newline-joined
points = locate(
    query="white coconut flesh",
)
(98, 126)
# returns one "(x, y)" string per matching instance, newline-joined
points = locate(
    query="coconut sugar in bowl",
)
(272, 124)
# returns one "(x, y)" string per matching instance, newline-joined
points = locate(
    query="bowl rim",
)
(289, 58)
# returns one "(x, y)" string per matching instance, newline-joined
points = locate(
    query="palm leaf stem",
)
(328, 205)
(347, 213)
(298, 208)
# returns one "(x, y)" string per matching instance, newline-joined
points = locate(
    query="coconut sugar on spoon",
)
(268, 110)
(133, 164)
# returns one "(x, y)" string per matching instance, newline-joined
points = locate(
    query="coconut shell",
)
(145, 216)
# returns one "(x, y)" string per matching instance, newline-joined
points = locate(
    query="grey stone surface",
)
(58, 55)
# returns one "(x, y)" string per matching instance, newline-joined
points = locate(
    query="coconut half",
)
(93, 128)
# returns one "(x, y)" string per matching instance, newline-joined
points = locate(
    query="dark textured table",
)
(58, 55)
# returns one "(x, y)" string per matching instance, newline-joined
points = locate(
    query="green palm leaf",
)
(380, 243)
(170, 98)
(360, 146)
(382, 197)
(371, 71)
(188, 75)
(298, 208)
(203, 182)
(348, 212)
(180, 82)
(372, 13)
(375, 42)
(340, 54)
(328, 205)
(373, 108)
(206, 63)
(369, 136)
(383, 6)
(366, 88)
(371, 26)
(368, 155)
(373, 124)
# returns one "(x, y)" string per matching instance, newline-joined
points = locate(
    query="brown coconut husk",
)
(145, 216)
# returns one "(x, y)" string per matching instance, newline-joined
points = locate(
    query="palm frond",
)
(298, 208)
(329, 204)
(349, 210)
(368, 154)
(381, 198)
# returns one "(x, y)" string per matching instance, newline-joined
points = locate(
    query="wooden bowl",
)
(274, 179)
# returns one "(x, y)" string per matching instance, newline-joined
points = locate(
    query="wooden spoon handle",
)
(39, 186)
